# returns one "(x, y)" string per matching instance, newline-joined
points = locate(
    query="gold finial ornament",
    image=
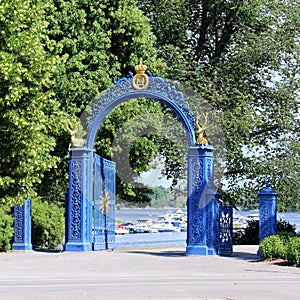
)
(201, 140)
(75, 142)
(105, 202)
(140, 80)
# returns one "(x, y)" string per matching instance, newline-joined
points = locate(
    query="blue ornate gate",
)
(87, 201)
(225, 228)
(104, 204)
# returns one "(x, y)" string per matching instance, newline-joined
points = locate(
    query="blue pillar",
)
(201, 231)
(267, 212)
(22, 226)
(79, 206)
(211, 221)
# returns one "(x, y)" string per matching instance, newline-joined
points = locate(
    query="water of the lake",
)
(169, 238)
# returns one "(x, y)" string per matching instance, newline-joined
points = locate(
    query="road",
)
(156, 273)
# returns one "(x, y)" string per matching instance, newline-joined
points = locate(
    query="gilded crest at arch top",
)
(140, 80)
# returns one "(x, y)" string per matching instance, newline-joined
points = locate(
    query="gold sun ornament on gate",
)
(140, 80)
(104, 202)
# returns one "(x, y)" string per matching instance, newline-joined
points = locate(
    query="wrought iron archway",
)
(201, 202)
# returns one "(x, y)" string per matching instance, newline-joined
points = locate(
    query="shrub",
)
(272, 247)
(286, 236)
(250, 236)
(6, 228)
(47, 225)
(284, 226)
(293, 251)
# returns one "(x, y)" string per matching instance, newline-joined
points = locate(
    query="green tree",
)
(99, 42)
(135, 135)
(242, 57)
(30, 115)
(6, 227)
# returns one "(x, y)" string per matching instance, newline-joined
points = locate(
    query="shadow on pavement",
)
(239, 255)
(252, 257)
(162, 253)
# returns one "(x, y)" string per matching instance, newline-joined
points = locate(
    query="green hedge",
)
(48, 225)
(293, 251)
(6, 227)
(272, 248)
(283, 245)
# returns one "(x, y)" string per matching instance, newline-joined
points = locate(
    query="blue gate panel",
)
(104, 204)
(225, 230)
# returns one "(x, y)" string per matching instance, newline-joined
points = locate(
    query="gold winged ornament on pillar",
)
(75, 142)
(201, 140)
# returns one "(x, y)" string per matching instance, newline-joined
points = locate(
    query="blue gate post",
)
(79, 208)
(267, 212)
(211, 220)
(200, 218)
(22, 226)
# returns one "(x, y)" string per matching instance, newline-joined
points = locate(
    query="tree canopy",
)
(30, 114)
(243, 58)
(240, 57)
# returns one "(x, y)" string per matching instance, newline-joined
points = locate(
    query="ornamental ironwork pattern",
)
(265, 220)
(76, 200)
(158, 87)
(104, 222)
(99, 219)
(225, 230)
(197, 190)
(19, 220)
(210, 173)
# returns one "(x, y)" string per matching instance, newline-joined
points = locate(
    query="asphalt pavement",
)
(149, 273)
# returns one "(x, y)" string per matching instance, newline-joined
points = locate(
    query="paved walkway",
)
(157, 273)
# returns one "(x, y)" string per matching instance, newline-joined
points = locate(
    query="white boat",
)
(254, 216)
(144, 225)
(239, 222)
(166, 226)
(121, 230)
(144, 228)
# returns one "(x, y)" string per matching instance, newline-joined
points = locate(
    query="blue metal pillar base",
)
(78, 247)
(21, 246)
(212, 251)
(201, 250)
(79, 205)
(22, 227)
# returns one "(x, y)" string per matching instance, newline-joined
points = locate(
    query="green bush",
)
(47, 225)
(293, 251)
(284, 226)
(251, 232)
(286, 236)
(272, 247)
(6, 228)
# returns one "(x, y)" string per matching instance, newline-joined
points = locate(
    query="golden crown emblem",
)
(140, 68)
(140, 80)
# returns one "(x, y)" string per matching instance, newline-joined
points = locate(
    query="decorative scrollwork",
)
(19, 220)
(197, 213)
(225, 230)
(158, 87)
(266, 225)
(76, 201)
